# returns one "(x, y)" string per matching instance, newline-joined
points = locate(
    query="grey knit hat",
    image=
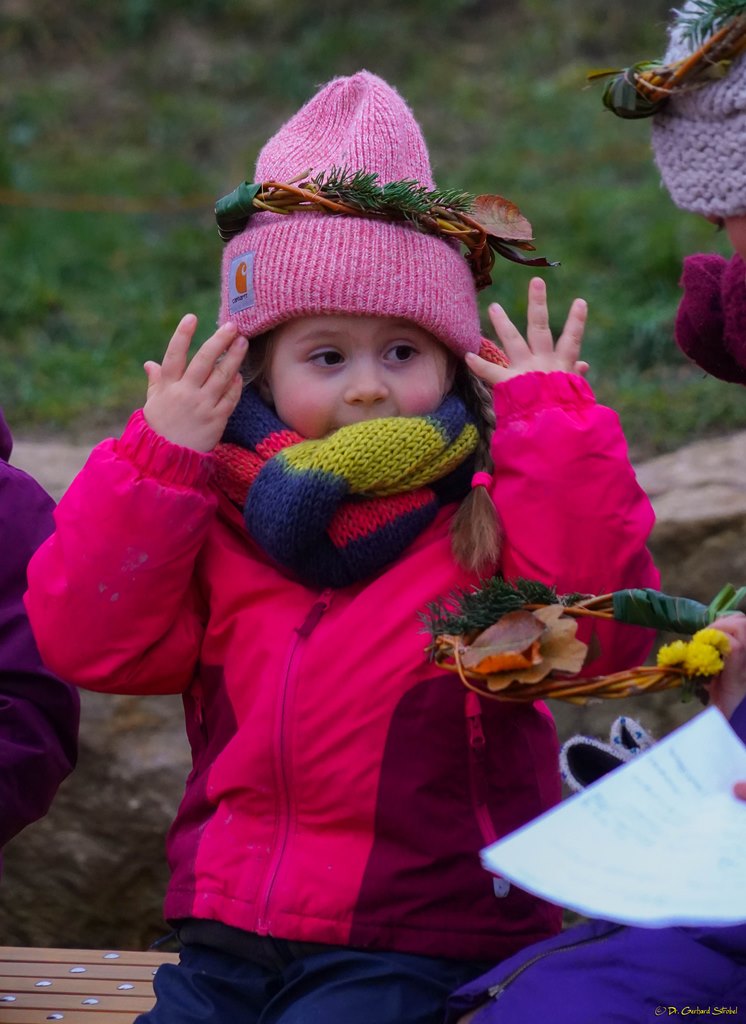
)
(699, 137)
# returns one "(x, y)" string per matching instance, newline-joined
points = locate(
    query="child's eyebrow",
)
(330, 332)
(320, 334)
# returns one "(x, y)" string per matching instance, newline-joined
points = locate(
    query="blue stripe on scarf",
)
(252, 421)
(449, 418)
(286, 511)
(325, 565)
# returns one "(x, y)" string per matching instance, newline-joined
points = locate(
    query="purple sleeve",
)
(38, 712)
(711, 318)
(738, 721)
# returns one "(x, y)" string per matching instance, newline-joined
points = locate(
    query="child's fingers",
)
(511, 338)
(570, 341)
(490, 373)
(728, 689)
(223, 375)
(175, 358)
(539, 334)
(204, 360)
(153, 373)
(230, 397)
(739, 790)
(735, 626)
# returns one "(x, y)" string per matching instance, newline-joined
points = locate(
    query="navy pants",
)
(342, 986)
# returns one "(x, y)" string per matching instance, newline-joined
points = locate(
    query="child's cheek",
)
(425, 396)
(308, 418)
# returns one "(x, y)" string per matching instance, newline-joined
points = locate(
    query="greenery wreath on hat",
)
(487, 225)
(515, 641)
(716, 29)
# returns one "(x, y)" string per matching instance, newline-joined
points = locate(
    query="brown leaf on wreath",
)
(510, 643)
(559, 650)
(501, 218)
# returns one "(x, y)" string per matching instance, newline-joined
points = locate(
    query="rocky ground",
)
(52, 462)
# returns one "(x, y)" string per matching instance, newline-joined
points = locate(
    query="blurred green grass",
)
(165, 101)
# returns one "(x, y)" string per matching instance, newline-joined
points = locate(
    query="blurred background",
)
(120, 124)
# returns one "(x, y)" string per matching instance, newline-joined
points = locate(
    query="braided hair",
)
(476, 531)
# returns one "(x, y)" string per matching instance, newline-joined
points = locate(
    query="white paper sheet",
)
(659, 841)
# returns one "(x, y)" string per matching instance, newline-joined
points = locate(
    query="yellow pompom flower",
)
(715, 638)
(701, 656)
(672, 654)
(702, 660)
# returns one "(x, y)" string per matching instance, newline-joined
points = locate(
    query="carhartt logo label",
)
(241, 283)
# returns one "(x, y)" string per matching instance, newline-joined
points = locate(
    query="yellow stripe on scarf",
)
(385, 456)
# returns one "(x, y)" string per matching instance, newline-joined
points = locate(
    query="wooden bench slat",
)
(29, 954)
(70, 1017)
(45, 1000)
(131, 972)
(74, 986)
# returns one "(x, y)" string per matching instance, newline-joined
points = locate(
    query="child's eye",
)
(329, 357)
(402, 352)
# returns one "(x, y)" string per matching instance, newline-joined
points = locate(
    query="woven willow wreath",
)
(516, 641)
(717, 28)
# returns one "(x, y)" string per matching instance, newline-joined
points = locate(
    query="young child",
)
(699, 138)
(38, 712)
(267, 553)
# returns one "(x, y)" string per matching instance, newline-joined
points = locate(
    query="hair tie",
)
(481, 479)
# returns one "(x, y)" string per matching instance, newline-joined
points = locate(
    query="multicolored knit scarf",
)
(339, 509)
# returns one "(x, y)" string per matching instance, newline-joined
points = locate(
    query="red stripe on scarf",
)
(276, 442)
(361, 518)
(236, 469)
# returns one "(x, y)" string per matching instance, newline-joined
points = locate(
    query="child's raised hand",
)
(189, 403)
(538, 350)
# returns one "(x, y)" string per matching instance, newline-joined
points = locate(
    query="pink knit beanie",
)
(699, 136)
(306, 264)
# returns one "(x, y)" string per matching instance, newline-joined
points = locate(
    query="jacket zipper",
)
(284, 798)
(495, 991)
(478, 781)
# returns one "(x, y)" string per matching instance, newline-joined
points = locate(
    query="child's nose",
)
(366, 387)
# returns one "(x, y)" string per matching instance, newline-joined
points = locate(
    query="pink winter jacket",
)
(342, 785)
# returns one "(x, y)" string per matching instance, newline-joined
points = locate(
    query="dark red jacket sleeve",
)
(38, 712)
(711, 319)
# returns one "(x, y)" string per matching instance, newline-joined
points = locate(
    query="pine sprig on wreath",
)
(707, 16)
(406, 197)
(471, 611)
